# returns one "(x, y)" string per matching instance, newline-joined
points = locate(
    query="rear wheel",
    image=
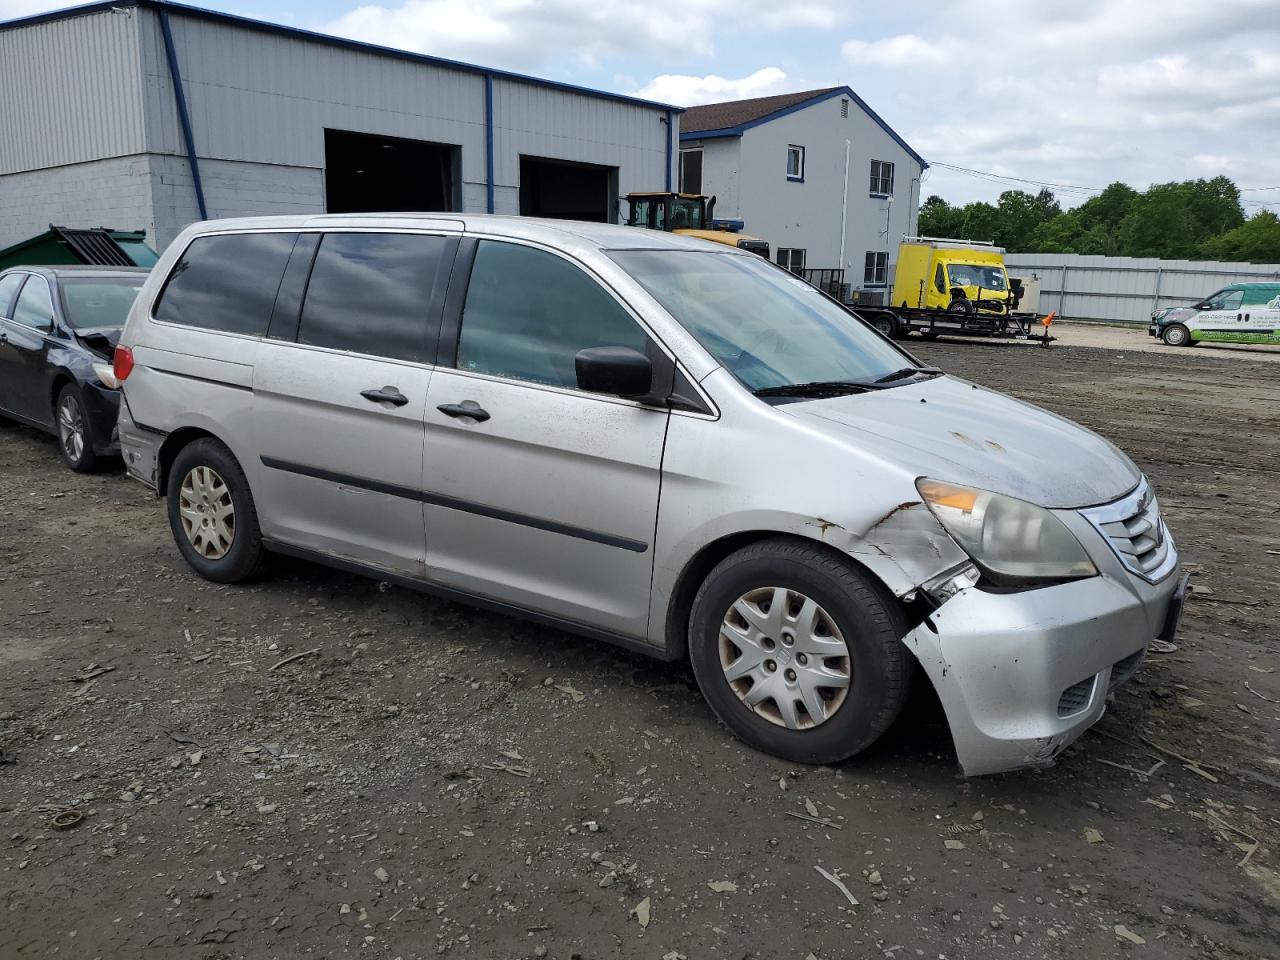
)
(211, 513)
(798, 652)
(1176, 335)
(75, 435)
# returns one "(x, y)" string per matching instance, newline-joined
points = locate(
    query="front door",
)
(24, 347)
(339, 410)
(538, 494)
(1222, 318)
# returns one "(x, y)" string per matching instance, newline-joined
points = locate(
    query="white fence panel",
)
(1127, 289)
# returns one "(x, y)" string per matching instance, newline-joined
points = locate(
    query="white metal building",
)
(806, 171)
(267, 119)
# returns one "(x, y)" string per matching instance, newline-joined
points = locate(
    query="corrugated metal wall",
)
(71, 91)
(1127, 288)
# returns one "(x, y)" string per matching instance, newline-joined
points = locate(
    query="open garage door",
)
(568, 191)
(365, 173)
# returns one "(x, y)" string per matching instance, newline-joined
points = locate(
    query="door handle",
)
(467, 408)
(388, 394)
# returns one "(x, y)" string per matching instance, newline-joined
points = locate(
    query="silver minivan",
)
(656, 441)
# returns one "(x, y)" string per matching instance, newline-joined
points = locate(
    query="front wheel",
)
(1176, 335)
(75, 435)
(887, 324)
(211, 513)
(798, 651)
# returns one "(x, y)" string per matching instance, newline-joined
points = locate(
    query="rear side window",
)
(35, 304)
(9, 285)
(227, 282)
(529, 312)
(371, 293)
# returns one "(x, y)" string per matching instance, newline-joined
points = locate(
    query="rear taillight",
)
(122, 363)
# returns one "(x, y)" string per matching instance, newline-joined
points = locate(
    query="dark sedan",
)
(58, 329)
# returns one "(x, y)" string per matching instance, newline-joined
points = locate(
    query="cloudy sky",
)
(1072, 92)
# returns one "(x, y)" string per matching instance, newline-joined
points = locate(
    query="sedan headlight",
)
(106, 376)
(1013, 541)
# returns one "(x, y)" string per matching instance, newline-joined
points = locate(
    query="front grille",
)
(1133, 528)
(1076, 697)
(1123, 670)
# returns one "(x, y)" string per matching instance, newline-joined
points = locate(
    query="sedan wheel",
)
(784, 657)
(71, 427)
(208, 515)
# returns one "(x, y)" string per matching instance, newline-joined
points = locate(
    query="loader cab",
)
(690, 215)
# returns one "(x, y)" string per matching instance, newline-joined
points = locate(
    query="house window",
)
(691, 171)
(881, 178)
(844, 109)
(876, 272)
(795, 162)
(791, 258)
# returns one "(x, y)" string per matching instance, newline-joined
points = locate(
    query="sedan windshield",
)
(769, 328)
(972, 275)
(93, 302)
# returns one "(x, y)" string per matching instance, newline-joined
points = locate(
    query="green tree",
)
(1257, 240)
(938, 218)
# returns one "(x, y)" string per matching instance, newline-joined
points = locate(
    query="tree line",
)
(1192, 220)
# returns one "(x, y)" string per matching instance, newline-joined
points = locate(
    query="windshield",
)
(686, 214)
(972, 275)
(89, 302)
(768, 327)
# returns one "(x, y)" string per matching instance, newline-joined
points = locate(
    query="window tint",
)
(227, 282)
(35, 305)
(528, 313)
(9, 285)
(371, 293)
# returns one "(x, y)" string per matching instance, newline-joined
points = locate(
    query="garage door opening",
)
(365, 173)
(568, 191)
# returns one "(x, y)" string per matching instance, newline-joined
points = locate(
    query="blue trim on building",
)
(184, 118)
(488, 141)
(796, 107)
(265, 26)
(670, 148)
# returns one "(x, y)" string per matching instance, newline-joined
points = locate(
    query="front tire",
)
(887, 324)
(212, 514)
(799, 652)
(1176, 335)
(75, 435)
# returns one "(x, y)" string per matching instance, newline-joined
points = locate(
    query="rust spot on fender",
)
(905, 505)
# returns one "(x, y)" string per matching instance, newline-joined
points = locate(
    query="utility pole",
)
(844, 203)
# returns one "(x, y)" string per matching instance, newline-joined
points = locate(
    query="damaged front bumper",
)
(1022, 675)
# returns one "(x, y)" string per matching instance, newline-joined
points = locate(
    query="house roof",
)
(732, 118)
(265, 26)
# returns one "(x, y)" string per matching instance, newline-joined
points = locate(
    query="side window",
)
(1229, 299)
(940, 280)
(529, 312)
(9, 285)
(226, 282)
(35, 304)
(372, 293)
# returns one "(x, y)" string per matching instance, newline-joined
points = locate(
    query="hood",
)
(100, 340)
(951, 430)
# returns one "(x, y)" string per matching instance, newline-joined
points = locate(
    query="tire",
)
(961, 306)
(887, 324)
(1176, 335)
(74, 432)
(852, 607)
(204, 479)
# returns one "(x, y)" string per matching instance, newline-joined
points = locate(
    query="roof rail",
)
(967, 243)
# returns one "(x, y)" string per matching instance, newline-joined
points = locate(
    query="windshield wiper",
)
(908, 372)
(818, 388)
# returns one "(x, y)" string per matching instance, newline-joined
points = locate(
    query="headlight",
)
(1011, 540)
(106, 376)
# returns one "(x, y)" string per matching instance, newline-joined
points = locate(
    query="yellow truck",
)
(690, 215)
(956, 287)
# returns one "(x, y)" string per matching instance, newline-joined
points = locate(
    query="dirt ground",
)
(428, 779)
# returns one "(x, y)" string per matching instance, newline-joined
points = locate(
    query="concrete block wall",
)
(111, 193)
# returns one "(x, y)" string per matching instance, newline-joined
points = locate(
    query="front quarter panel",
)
(757, 469)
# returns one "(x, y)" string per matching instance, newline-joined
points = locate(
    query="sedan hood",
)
(954, 431)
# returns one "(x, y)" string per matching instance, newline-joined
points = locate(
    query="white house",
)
(818, 174)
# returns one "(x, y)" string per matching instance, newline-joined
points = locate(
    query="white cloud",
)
(904, 50)
(690, 91)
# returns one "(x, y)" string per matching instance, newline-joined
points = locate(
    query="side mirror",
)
(1202, 305)
(619, 371)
